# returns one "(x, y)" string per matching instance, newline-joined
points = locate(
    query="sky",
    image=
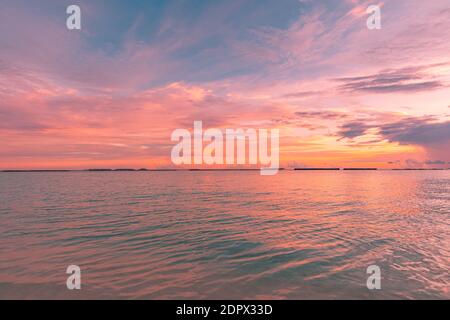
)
(110, 95)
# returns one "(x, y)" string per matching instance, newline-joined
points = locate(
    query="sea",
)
(225, 234)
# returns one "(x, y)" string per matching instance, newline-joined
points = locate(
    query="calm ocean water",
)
(226, 235)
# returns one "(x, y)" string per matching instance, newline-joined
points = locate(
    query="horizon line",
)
(218, 169)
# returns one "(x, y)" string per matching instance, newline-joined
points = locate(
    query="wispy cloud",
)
(421, 131)
(411, 79)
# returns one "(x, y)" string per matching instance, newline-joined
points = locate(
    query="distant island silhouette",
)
(219, 169)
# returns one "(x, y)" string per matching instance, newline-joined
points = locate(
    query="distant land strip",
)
(360, 169)
(224, 169)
